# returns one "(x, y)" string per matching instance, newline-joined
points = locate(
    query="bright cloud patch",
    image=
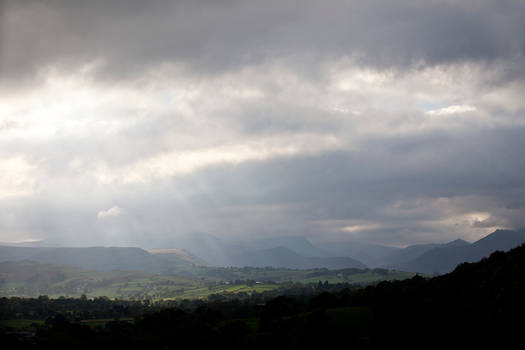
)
(114, 211)
(360, 227)
(184, 162)
(455, 109)
(17, 177)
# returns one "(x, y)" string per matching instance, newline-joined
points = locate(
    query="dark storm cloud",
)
(129, 37)
(470, 163)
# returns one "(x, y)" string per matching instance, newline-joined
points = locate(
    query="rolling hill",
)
(177, 256)
(94, 258)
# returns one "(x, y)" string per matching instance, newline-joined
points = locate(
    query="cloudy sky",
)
(131, 122)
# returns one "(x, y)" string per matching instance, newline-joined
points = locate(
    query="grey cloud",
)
(292, 194)
(132, 36)
(288, 196)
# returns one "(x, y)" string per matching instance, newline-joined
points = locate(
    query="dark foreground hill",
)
(444, 258)
(477, 304)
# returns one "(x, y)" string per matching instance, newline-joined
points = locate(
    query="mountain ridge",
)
(444, 259)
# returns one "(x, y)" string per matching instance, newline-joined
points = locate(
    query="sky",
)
(131, 122)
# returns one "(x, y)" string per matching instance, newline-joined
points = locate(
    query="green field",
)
(200, 293)
(30, 279)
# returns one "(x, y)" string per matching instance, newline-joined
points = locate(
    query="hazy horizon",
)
(133, 123)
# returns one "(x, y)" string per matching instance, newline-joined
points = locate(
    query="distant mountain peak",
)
(502, 235)
(456, 243)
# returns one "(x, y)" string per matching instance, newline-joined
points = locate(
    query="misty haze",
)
(287, 174)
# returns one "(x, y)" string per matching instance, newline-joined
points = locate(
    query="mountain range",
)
(288, 252)
(284, 251)
(215, 251)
